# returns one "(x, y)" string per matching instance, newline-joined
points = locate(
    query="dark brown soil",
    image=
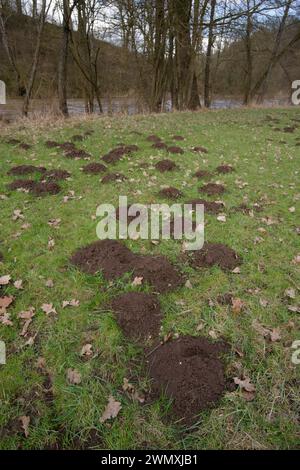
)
(109, 256)
(67, 146)
(215, 254)
(77, 153)
(158, 272)
(210, 207)
(201, 174)
(165, 165)
(94, 168)
(13, 141)
(200, 149)
(289, 130)
(114, 259)
(177, 150)
(170, 193)
(116, 154)
(26, 170)
(190, 372)
(159, 145)
(175, 222)
(24, 146)
(130, 218)
(223, 169)
(178, 137)
(50, 144)
(22, 184)
(1, 256)
(225, 299)
(212, 188)
(56, 175)
(138, 315)
(113, 177)
(153, 138)
(39, 189)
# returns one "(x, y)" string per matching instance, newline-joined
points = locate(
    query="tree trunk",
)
(207, 72)
(63, 60)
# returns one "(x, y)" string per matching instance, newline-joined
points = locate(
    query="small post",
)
(2, 92)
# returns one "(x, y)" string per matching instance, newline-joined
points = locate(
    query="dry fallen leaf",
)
(237, 305)
(51, 243)
(5, 319)
(4, 280)
(25, 421)
(138, 281)
(245, 384)
(48, 308)
(86, 350)
(70, 303)
(49, 283)
(18, 284)
(290, 293)
(5, 302)
(73, 377)
(112, 410)
(17, 214)
(236, 270)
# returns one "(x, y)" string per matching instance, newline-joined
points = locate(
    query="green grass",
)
(269, 168)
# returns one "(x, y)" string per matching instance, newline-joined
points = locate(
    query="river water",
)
(127, 105)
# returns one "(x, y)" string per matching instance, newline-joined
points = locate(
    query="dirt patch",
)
(175, 150)
(170, 193)
(225, 299)
(116, 154)
(223, 169)
(94, 168)
(165, 165)
(190, 372)
(178, 137)
(215, 254)
(159, 145)
(77, 153)
(78, 138)
(38, 189)
(210, 207)
(24, 146)
(201, 174)
(158, 272)
(113, 177)
(138, 315)
(67, 146)
(114, 259)
(212, 188)
(26, 170)
(56, 175)
(153, 138)
(13, 141)
(200, 149)
(50, 144)
(180, 224)
(130, 218)
(289, 130)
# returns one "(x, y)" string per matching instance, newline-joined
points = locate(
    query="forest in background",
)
(184, 50)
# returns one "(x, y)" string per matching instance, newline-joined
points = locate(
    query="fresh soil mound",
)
(26, 170)
(202, 174)
(40, 189)
(109, 256)
(210, 207)
(177, 150)
(56, 175)
(114, 259)
(158, 272)
(289, 130)
(116, 154)
(24, 146)
(138, 315)
(22, 184)
(212, 188)
(200, 149)
(50, 144)
(94, 168)
(223, 169)
(215, 254)
(225, 299)
(190, 372)
(171, 193)
(77, 153)
(130, 218)
(165, 165)
(178, 137)
(153, 138)
(13, 141)
(159, 145)
(176, 222)
(113, 177)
